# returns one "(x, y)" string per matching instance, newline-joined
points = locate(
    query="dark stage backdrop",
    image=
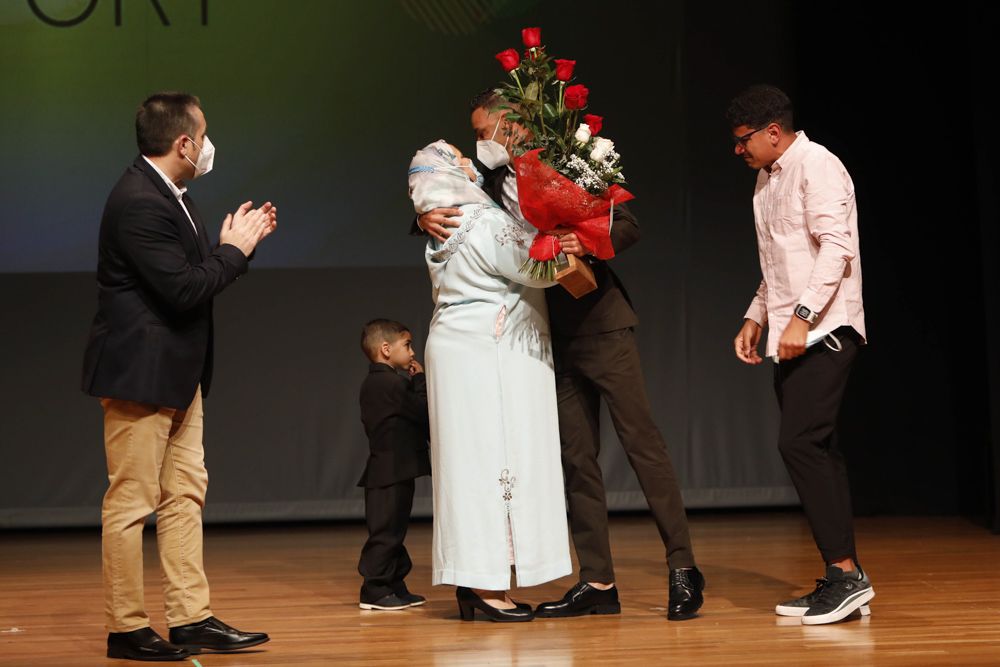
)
(319, 105)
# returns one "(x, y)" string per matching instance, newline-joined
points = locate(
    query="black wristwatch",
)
(804, 313)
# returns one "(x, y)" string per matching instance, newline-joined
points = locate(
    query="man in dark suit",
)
(394, 413)
(595, 356)
(149, 360)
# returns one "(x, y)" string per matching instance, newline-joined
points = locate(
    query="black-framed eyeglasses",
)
(743, 139)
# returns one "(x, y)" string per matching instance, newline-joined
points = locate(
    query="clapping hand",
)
(248, 226)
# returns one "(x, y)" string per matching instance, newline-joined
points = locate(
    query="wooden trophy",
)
(576, 276)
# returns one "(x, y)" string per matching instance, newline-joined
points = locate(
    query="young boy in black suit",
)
(394, 412)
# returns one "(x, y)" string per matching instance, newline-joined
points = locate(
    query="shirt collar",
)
(792, 153)
(178, 192)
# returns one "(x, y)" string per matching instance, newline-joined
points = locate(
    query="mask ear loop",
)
(507, 134)
(192, 162)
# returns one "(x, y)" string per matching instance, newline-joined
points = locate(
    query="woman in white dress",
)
(497, 476)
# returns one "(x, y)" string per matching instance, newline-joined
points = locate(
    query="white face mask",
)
(491, 153)
(206, 157)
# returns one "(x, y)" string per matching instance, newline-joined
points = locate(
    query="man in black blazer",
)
(149, 360)
(596, 356)
(394, 413)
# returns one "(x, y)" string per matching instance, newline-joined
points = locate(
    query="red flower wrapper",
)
(549, 200)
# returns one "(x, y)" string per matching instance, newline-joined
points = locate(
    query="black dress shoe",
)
(686, 585)
(214, 635)
(143, 644)
(469, 602)
(581, 600)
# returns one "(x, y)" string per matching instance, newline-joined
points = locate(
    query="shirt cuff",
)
(758, 313)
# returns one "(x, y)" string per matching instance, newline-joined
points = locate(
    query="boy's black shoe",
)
(390, 602)
(413, 599)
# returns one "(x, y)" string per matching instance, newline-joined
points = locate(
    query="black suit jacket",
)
(608, 308)
(394, 412)
(151, 340)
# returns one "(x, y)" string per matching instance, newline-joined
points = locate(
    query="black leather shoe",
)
(581, 600)
(469, 602)
(686, 585)
(214, 635)
(143, 644)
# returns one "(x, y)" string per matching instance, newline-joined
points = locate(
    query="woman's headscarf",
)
(437, 180)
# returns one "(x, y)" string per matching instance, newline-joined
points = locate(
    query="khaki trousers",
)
(156, 463)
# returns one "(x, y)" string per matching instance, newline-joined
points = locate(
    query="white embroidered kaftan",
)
(495, 457)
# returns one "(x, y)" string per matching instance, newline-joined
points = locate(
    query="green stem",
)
(541, 105)
(513, 73)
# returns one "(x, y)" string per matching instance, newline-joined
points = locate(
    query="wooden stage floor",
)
(937, 582)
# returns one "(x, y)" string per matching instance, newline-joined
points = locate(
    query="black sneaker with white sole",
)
(799, 606)
(412, 598)
(842, 594)
(390, 602)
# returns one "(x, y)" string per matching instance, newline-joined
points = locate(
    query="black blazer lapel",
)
(197, 240)
(203, 244)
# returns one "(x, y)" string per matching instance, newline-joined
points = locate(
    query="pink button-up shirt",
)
(807, 237)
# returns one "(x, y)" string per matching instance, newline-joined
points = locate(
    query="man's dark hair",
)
(759, 106)
(486, 100)
(378, 331)
(162, 118)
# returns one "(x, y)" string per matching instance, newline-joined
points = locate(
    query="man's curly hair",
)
(759, 106)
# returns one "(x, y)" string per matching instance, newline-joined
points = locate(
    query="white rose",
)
(602, 147)
(582, 133)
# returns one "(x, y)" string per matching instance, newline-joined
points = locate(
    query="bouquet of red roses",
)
(567, 175)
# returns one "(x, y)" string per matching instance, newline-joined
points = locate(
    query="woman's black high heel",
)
(469, 602)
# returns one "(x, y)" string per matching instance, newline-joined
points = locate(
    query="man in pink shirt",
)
(810, 298)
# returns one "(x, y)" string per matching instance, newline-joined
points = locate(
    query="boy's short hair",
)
(378, 331)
